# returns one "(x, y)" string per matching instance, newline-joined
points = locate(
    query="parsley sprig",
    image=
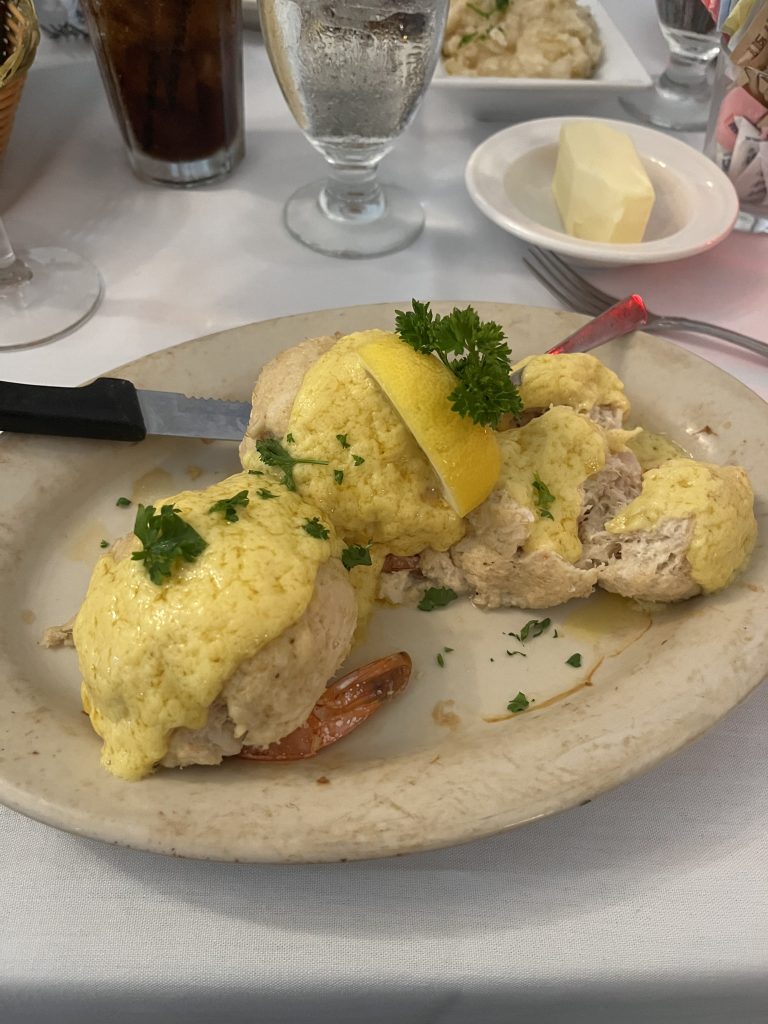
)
(436, 597)
(272, 453)
(356, 554)
(532, 629)
(228, 506)
(518, 703)
(166, 539)
(474, 351)
(315, 528)
(544, 497)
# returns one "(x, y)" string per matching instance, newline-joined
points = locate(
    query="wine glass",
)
(681, 96)
(45, 292)
(353, 73)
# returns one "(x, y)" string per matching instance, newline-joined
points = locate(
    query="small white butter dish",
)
(509, 177)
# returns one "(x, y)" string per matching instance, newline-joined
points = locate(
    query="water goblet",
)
(353, 73)
(681, 95)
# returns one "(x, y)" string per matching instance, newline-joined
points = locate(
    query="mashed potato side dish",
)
(521, 39)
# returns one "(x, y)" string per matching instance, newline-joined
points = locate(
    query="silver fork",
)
(575, 291)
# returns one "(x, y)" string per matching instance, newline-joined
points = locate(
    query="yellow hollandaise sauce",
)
(576, 379)
(154, 657)
(651, 450)
(557, 452)
(719, 499)
(378, 485)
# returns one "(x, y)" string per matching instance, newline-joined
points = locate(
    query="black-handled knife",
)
(114, 410)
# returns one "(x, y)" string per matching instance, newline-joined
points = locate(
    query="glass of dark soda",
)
(173, 73)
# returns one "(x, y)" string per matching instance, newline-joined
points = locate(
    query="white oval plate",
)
(442, 764)
(509, 177)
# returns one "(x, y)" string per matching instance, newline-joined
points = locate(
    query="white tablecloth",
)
(650, 904)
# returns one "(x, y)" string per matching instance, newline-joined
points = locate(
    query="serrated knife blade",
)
(172, 414)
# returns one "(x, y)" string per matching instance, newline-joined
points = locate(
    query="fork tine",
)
(556, 263)
(560, 287)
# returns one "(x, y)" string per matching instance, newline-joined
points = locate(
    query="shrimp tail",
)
(346, 703)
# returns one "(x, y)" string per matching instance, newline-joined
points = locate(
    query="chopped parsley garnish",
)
(356, 554)
(574, 660)
(358, 460)
(532, 629)
(166, 539)
(229, 506)
(272, 453)
(518, 703)
(474, 351)
(440, 659)
(468, 38)
(513, 653)
(315, 528)
(555, 635)
(104, 544)
(436, 597)
(256, 472)
(342, 439)
(264, 494)
(544, 498)
(290, 439)
(498, 7)
(338, 475)
(123, 502)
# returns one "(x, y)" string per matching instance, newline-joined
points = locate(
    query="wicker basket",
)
(19, 36)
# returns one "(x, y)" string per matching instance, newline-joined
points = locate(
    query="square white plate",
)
(251, 14)
(516, 99)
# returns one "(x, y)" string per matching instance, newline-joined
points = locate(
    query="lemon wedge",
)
(464, 455)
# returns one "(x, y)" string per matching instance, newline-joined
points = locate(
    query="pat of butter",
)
(600, 186)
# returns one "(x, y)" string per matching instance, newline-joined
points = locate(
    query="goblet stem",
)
(7, 255)
(685, 72)
(352, 194)
(13, 271)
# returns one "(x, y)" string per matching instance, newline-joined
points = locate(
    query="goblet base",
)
(668, 106)
(400, 223)
(46, 294)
